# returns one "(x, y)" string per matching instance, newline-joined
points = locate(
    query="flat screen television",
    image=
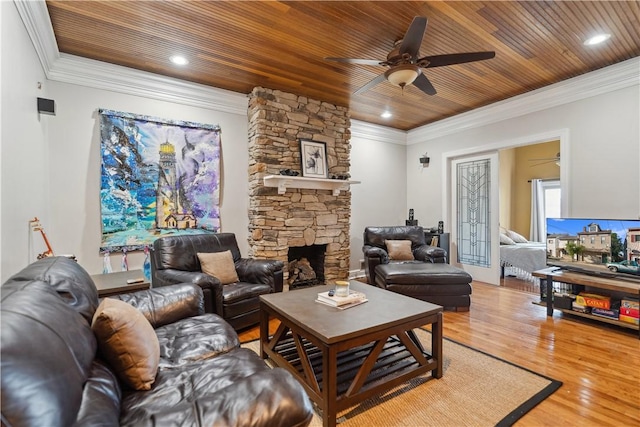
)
(602, 247)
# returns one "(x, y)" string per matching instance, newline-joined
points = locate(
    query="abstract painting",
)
(158, 178)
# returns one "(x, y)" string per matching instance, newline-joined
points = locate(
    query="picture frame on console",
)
(313, 158)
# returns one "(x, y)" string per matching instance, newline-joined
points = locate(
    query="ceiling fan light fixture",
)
(597, 39)
(403, 75)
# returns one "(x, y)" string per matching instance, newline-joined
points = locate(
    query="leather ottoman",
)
(440, 284)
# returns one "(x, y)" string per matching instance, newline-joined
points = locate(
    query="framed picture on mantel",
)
(313, 156)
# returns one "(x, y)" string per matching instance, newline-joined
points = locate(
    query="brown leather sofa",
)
(174, 260)
(52, 374)
(375, 249)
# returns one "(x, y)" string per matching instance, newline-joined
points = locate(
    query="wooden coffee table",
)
(343, 357)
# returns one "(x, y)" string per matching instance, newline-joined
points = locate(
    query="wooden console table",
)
(116, 283)
(553, 274)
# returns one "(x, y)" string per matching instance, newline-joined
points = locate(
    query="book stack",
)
(630, 310)
(354, 298)
(594, 300)
(612, 312)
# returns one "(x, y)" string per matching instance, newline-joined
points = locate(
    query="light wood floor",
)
(599, 364)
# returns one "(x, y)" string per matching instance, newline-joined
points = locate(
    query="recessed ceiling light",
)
(597, 39)
(179, 60)
(386, 114)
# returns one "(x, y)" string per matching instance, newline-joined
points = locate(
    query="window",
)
(545, 203)
(552, 193)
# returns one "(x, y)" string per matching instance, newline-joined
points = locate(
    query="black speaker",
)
(46, 106)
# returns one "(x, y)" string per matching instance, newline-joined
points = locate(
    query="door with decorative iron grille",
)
(474, 216)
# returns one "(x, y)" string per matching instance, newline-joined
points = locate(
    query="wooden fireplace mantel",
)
(282, 182)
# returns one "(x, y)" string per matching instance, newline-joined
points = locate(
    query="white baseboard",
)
(355, 274)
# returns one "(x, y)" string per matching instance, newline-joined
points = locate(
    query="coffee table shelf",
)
(393, 360)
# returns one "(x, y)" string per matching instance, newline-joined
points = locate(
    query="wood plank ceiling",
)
(238, 45)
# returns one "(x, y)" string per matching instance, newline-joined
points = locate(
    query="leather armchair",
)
(375, 249)
(174, 259)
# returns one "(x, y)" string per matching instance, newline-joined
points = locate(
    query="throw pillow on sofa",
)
(127, 342)
(399, 250)
(220, 265)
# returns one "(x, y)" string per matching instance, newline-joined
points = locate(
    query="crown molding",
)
(101, 75)
(608, 79)
(373, 132)
(35, 16)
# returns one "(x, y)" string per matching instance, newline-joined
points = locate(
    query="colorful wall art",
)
(158, 177)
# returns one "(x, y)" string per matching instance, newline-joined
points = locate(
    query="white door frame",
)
(449, 156)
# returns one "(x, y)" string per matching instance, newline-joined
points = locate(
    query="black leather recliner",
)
(375, 249)
(174, 259)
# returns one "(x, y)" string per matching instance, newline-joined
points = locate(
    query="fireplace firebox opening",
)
(306, 266)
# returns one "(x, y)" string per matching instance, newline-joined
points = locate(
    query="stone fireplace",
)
(297, 217)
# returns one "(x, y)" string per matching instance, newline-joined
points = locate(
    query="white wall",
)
(74, 176)
(24, 161)
(378, 161)
(603, 154)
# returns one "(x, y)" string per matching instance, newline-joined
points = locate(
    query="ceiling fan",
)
(544, 161)
(405, 64)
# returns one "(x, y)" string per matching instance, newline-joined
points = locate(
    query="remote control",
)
(132, 281)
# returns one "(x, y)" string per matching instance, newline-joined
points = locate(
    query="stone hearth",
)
(299, 217)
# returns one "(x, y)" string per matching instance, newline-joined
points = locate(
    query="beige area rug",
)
(476, 389)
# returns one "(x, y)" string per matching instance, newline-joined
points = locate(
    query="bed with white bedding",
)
(522, 259)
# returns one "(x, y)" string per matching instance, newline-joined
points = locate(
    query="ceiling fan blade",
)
(543, 163)
(356, 61)
(423, 83)
(456, 58)
(371, 84)
(556, 158)
(413, 37)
